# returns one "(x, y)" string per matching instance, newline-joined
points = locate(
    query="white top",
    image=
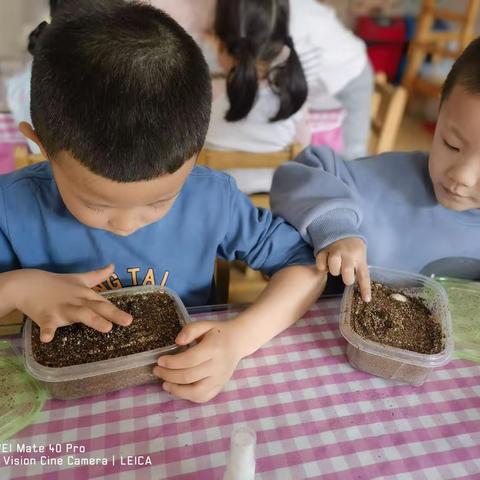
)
(254, 133)
(329, 51)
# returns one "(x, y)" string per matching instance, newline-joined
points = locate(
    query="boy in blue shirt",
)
(120, 104)
(417, 212)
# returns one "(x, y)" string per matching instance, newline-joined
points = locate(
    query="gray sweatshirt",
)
(387, 200)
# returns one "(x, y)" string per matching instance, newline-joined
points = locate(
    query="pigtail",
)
(242, 82)
(289, 83)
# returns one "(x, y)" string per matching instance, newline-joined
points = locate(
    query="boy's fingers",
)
(348, 273)
(334, 263)
(47, 334)
(110, 312)
(322, 261)
(88, 317)
(97, 323)
(184, 376)
(192, 331)
(199, 392)
(363, 279)
(190, 358)
(94, 277)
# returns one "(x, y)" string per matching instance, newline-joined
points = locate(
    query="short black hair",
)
(121, 87)
(54, 5)
(465, 71)
(34, 34)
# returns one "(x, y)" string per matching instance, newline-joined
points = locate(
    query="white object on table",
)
(241, 461)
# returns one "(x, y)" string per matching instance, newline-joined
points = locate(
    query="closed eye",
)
(161, 203)
(95, 209)
(450, 147)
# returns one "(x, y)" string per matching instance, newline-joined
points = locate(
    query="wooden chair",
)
(23, 157)
(222, 281)
(11, 324)
(388, 106)
(429, 42)
(225, 160)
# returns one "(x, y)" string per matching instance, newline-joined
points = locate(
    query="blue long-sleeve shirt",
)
(210, 218)
(387, 200)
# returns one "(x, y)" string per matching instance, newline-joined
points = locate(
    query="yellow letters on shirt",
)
(114, 282)
(149, 278)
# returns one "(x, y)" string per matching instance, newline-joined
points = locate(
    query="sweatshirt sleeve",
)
(259, 239)
(8, 259)
(317, 195)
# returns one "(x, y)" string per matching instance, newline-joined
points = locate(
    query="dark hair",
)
(121, 87)
(465, 71)
(35, 34)
(253, 31)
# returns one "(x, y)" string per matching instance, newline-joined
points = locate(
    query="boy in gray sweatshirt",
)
(417, 212)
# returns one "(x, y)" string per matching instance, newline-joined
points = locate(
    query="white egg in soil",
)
(398, 297)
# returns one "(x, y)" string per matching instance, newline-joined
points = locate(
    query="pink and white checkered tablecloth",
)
(314, 415)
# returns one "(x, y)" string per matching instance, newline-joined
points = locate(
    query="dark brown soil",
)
(156, 323)
(403, 324)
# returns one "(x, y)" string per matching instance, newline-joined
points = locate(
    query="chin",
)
(456, 206)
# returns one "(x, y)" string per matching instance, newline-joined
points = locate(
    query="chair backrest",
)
(435, 43)
(388, 106)
(23, 157)
(228, 159)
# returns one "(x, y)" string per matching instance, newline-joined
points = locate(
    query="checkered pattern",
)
(314, 415)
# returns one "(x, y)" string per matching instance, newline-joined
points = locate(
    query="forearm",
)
(303, 134)
(289, 294)
(9, 282)
(317, 195)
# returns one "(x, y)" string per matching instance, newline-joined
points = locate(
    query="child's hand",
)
(53, 300)
(347, 257)
(201, 372)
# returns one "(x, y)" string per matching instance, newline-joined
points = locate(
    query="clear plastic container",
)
(464, 299)
(21, 396)
(95, 378)
(391, 362)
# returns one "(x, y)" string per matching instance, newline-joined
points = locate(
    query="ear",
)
(27, 131)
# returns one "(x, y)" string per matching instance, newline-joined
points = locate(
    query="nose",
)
(465, 174)
(124, 225)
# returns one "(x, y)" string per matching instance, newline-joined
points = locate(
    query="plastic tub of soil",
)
(80, 361)
(404, 332)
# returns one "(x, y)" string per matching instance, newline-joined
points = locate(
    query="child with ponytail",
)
(260, 106)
